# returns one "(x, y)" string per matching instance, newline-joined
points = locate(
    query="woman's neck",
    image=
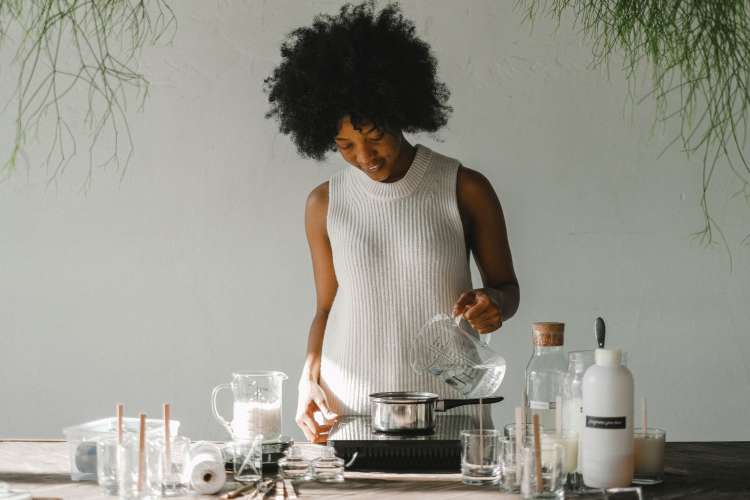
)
(403, 162)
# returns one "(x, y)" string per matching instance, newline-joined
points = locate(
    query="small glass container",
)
(550, 485)
(509, 477)
(247, 459)
(480, 457)
(294, 466)
(131, 468)
(328, 468)
(106, 464)
(167, 466)
(649, 446)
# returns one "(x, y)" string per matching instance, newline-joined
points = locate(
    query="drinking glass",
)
(106, 464)
(551, 484)
(132, 469)
(480, 456)
(247, 455)
(648, 446)
(509, 477)
(167, 466)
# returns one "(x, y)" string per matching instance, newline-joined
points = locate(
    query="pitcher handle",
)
(447, 404)
(215, 410)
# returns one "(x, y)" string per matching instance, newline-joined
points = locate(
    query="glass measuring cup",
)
(457, 357)
(256, 406)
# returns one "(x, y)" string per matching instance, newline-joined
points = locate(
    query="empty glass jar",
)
(294, 466)
(328, 468)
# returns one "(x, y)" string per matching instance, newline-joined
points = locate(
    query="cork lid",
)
(548, 334)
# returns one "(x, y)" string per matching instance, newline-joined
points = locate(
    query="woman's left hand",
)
(480, 310)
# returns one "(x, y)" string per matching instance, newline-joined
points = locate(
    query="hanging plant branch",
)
(66, 45)
(698, 52)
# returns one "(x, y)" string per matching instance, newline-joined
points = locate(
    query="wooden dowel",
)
(538, 455)
(118, 412)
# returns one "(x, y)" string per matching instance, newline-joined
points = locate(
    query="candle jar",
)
(509, 468)
(550, 484)
(480, 463)
(328, 468)
(294, 466)
(167, 465)
(649, 455)
(106, 464)
(136, 474)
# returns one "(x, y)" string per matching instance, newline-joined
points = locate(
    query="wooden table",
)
(716, 471)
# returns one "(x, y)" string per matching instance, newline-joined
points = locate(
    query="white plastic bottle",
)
(607, 445)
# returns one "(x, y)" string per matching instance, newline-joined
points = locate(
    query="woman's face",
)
(369, 149)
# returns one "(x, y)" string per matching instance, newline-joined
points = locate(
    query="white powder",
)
(254, 417)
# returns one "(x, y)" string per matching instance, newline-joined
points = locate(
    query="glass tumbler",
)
(247, 459)
(480, 456)
(167, 466)
(649, 446)
(509, 477)
(549, 484)
(106, 464)
(133, 479)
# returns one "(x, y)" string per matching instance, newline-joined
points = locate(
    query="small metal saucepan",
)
(412, 412)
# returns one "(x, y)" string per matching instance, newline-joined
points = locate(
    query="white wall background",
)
(157, 287)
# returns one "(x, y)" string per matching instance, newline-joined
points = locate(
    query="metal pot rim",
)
(403, 397)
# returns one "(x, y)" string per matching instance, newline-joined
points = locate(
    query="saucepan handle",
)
(447, 404)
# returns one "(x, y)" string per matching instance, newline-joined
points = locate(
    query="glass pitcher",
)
(457, 357)
(257, 405)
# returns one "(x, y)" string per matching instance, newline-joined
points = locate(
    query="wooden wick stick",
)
(141, 452)
(167, 440)
(118, 412)
(644, 419)
(538, 455)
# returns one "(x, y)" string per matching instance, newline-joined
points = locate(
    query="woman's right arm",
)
(312, 399)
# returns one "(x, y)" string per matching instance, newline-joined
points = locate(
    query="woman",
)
(390, 238)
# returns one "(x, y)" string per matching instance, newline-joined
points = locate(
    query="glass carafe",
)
(457, 357)
(256, 407)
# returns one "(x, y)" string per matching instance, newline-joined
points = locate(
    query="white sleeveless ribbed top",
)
(400, 258)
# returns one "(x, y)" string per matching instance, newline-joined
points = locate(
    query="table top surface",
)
(716, 471)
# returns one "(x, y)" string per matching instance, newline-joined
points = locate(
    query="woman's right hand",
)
(314, 416)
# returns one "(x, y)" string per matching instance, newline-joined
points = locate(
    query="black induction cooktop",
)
(439, 451)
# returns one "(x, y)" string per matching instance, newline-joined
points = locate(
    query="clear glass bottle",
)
(294, 466)
(545, 373)
(328, 468)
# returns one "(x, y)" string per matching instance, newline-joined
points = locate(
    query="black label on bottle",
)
(605, 422)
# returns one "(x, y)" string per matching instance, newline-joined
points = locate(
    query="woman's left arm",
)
(484, 225)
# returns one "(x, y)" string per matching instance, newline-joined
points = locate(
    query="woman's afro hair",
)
(365, 64)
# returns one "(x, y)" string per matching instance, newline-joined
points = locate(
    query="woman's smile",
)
(374, 166)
